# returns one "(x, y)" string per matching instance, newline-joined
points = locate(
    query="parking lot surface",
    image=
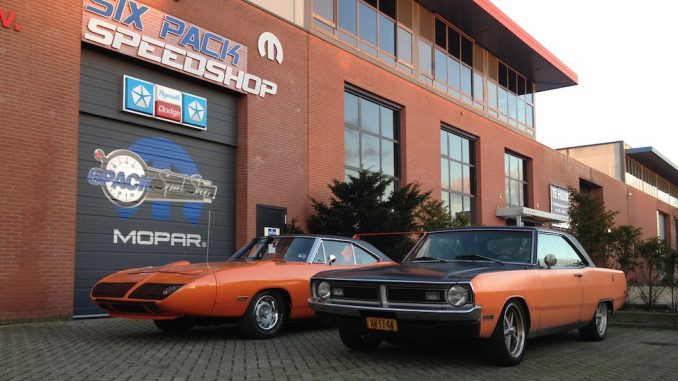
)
(114, 349)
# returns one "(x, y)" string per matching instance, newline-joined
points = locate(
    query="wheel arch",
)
(523, 304)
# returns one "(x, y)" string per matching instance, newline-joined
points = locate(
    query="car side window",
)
(343, 251)
(362, 256)
(566, 255)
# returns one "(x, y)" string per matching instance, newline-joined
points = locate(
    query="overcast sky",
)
(625, 55)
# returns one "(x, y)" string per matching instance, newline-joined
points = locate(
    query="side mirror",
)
(550, 260)
(333, 258)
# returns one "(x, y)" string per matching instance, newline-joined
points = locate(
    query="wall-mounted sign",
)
(269, 231)
(160, 102)
(8, 20)
(127, 181)
(270, 47)
(137, 30)
(145, 177)
(560, 203)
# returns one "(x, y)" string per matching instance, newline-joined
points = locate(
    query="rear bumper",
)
(412, 324)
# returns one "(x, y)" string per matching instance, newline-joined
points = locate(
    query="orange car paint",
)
(559, 293)
(234, 289)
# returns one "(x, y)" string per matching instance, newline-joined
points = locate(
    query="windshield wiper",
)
(477, 256)
(428, 259)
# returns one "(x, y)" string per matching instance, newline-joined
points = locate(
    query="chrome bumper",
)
(469, 314)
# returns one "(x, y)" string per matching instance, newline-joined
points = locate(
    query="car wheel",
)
(177, 325)
(506, 346)
(596, 330)
(356, 342)
(264, 316)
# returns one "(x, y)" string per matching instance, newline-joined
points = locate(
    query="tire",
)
(596, 330)
(506, 346)
(174, 326)
(264, 317)
(356, 342)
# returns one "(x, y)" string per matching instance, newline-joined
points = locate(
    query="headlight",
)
(457, 296)
(324, 290)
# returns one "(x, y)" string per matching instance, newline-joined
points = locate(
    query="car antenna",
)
(209, 228)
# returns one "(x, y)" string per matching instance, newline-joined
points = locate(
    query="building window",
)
(407, 36)
(644, 179)
(510, 97)
(457, 172)
(453, 62)
(661, 225)
(380, 28)
(370, 137)
(515, 180)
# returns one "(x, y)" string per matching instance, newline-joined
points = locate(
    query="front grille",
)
(154, 291)
(129, 307)
(361, 293)
(111, 290)
(415, 295)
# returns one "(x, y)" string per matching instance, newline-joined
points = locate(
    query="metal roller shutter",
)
(147, 188)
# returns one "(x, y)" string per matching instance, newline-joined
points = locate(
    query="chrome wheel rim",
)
(514, 330)
(601, 319)
(267, 312)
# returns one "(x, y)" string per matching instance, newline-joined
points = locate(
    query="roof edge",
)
(524, 36)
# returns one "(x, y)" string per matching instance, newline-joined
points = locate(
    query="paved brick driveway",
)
(118, 349)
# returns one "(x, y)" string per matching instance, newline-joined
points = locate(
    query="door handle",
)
(579, 275)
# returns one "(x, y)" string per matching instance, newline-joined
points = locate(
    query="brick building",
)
(137, 132)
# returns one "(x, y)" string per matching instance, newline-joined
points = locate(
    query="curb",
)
(645, 319)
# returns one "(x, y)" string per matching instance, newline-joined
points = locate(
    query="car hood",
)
(421, 272)
(187, 268)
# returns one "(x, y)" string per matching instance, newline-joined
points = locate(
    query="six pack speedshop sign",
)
(137, 30)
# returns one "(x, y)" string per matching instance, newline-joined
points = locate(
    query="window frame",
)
(471, 164)
(508, 196)
(395, 139)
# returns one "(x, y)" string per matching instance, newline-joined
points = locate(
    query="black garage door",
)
(150, 192)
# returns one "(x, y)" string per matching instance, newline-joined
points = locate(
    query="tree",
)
(590, 223)
(621, 248)
(293, 227)
(359, 206)
(654, 253)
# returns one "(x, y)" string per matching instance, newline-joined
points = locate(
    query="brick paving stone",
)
(116, 349)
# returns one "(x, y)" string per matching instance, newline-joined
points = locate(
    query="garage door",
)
(150, 192)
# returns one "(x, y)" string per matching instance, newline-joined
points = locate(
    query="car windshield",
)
(475, 245)
(289, 249)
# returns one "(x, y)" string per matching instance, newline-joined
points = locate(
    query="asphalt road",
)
(113, 349)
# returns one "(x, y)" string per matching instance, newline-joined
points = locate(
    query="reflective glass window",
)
(347, 16)
(457, 173)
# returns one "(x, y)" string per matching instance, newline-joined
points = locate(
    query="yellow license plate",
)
(382, 324)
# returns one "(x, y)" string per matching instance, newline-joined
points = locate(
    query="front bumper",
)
(413, 324)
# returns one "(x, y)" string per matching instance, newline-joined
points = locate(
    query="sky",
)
(625, 55)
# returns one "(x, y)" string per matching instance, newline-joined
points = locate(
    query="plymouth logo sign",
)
(127, 181)
(161, 102)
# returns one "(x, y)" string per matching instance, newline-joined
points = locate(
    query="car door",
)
(562, 289)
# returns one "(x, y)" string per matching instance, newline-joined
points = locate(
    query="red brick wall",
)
(422, 113)
(38, 156)
(290, 146)
(272, 156)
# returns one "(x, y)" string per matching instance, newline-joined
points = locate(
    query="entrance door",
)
(271, 217)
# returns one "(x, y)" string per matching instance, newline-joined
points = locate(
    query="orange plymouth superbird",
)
(501, 284)
(259, 287)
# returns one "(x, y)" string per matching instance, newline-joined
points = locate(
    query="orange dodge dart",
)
(501, 284)
(259, 287)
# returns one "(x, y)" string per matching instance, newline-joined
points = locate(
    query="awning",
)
(521, 213)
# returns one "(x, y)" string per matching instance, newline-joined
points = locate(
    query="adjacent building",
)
(138, 133)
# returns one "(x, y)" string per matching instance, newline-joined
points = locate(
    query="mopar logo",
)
(151, 238)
